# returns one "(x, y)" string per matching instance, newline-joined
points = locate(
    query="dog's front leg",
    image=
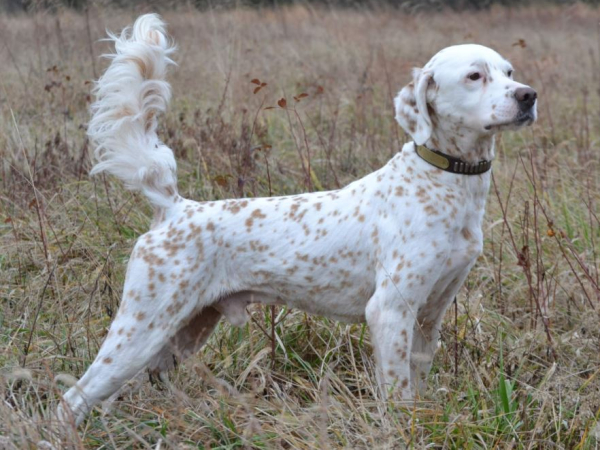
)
(391, 315)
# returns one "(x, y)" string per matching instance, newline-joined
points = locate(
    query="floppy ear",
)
(411, 106)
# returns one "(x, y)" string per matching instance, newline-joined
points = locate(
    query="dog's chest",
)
(437, 217)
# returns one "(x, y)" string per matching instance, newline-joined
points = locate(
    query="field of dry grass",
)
(519, 361)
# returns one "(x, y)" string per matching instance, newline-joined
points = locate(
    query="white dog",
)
(392, 248)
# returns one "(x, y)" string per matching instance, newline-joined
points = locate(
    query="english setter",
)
(392, 248)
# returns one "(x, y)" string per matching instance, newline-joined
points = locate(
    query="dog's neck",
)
(463, 143)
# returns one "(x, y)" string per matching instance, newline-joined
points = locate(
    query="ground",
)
(518, 364)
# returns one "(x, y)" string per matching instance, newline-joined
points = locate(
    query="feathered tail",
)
(129, 96)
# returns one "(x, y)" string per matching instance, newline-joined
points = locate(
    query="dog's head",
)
(464, 87)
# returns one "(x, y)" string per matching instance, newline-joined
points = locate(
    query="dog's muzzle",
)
(526, 115)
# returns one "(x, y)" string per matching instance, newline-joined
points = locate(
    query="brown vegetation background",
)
(518, 364)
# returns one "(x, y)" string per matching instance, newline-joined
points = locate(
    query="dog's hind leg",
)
(194, 335)
(187, 341)
(139, 332)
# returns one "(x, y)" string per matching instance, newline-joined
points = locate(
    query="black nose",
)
(526, 97)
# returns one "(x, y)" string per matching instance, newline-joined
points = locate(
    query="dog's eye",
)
(509, 73)
(475, 76)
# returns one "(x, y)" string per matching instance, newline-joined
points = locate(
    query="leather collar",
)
(451, 163)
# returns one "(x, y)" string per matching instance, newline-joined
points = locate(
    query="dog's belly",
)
(233, 306)
(346, 306)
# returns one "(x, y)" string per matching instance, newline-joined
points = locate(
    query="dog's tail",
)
(129, 96)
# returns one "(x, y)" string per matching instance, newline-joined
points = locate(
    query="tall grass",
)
(518, 364)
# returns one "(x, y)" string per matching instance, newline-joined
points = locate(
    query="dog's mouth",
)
(523, 118)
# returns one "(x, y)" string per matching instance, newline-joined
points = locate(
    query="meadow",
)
(518, 364)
